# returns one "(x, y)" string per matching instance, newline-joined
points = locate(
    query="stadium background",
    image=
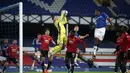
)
(37, 16)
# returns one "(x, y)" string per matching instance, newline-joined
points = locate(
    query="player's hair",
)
(14, 40)
(47, 29)
(98, 10)
(75, 25)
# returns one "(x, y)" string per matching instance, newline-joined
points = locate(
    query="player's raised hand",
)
(65, 12)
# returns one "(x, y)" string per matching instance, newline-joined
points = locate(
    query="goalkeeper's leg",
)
(56, 49)
(60, 46)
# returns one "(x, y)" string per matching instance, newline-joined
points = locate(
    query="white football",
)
(66, 12)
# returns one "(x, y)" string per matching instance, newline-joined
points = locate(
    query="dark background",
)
(31, 30)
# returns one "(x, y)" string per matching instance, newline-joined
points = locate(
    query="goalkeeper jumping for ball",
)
(62, 38)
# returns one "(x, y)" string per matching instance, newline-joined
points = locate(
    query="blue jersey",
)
(35, 45)
(3, 49)
(101, 20)
(76, 34)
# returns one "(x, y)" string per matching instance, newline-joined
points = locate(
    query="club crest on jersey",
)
(48, 38)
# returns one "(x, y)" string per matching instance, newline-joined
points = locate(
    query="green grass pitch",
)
(65, 72)
(74, 72)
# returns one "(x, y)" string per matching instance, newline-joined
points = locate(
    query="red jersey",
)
(45, 40)
(12, 51)
(124, 42)
(72, 44)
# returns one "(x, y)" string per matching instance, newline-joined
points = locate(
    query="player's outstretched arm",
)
(82, 37)
(61, 16)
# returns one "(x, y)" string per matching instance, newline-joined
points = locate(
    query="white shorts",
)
(2, 58)
(100, 33)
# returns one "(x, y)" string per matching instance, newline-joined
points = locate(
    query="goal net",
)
(11, 23)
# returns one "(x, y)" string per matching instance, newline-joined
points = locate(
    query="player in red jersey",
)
(123, 42)
(72, 44)
(46, 40)
(12, 53)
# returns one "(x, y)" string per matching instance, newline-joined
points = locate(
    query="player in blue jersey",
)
(4, 47)
(79, 50)
(36, 44)
(100, 29)
(3, 57)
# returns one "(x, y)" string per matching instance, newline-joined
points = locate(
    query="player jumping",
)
(72, 44)
(100, 29)
(59, 24)
(46, 41)
(79, 50)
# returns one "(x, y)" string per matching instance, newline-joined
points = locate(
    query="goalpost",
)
(11, 31)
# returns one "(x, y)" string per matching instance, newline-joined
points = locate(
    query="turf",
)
(74, 72)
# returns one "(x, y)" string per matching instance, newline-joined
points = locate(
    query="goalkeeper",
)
(62, 38)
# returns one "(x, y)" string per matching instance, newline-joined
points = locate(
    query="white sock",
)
(95, 50)
(33, 64)
(75, 60)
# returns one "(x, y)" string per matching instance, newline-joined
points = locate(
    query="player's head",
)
(5, 41)
(54, 18)
(47, 31)
(97, 12)
(124, 28)
(76, 28)
(72, 32)
(38, 35)
(14, 42)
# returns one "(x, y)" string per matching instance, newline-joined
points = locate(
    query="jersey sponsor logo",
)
(47, 41)
(71, 42)
(13, 50)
